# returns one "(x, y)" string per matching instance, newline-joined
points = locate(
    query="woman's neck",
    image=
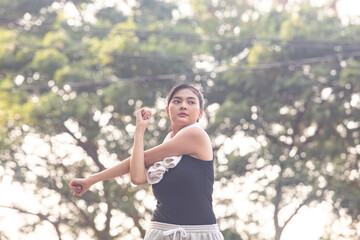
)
(175, 129)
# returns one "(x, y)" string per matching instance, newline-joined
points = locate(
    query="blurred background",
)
(281, 80)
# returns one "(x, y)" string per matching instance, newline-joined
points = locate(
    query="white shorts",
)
(166, 231)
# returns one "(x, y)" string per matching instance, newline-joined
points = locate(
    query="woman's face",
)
(184, 108)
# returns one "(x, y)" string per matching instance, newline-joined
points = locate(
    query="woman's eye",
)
(191, 102)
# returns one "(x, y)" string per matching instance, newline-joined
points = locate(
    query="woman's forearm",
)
(118, 170)
(137, 164)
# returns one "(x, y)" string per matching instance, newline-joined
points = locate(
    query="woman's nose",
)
(183, 105)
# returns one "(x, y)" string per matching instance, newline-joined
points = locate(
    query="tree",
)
(73, 87)
(296, 96)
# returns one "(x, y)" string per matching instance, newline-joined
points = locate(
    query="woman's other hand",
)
(143, 118)
(79, 186)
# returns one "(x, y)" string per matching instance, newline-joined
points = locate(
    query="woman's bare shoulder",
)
(198, 140)
(194, 132)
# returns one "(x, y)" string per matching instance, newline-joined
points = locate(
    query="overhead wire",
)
(138, 54)
(298, 62)
(261, 66)
(310, 43)
(337, 47)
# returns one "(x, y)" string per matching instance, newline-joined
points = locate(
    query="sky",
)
(309, 224)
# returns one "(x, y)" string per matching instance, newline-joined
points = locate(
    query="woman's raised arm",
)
(137, 161)
(193, 141)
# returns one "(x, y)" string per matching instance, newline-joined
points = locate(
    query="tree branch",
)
(276, 201)
(89, 222)
(89, 148)
(40, 216)
(305, 202)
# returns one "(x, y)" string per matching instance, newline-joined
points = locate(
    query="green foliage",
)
(300, 111)
(350, 77)
(111, 15)
(287, 79)
(7, 47)
(47, 61)
(230, 234)
(16, 9)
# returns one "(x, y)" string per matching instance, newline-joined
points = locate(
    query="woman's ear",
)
(167, 112)
(201, 113)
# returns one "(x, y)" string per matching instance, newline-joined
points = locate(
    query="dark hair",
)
(178, 87)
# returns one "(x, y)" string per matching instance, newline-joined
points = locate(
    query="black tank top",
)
(184, 195)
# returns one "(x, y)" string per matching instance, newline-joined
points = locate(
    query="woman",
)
(184, 193)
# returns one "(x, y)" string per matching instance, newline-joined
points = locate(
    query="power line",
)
(139, 55)
(261, 66)
(297, 62)
(135, 54)
(112, 80)
(308, 43)
(312, 44)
